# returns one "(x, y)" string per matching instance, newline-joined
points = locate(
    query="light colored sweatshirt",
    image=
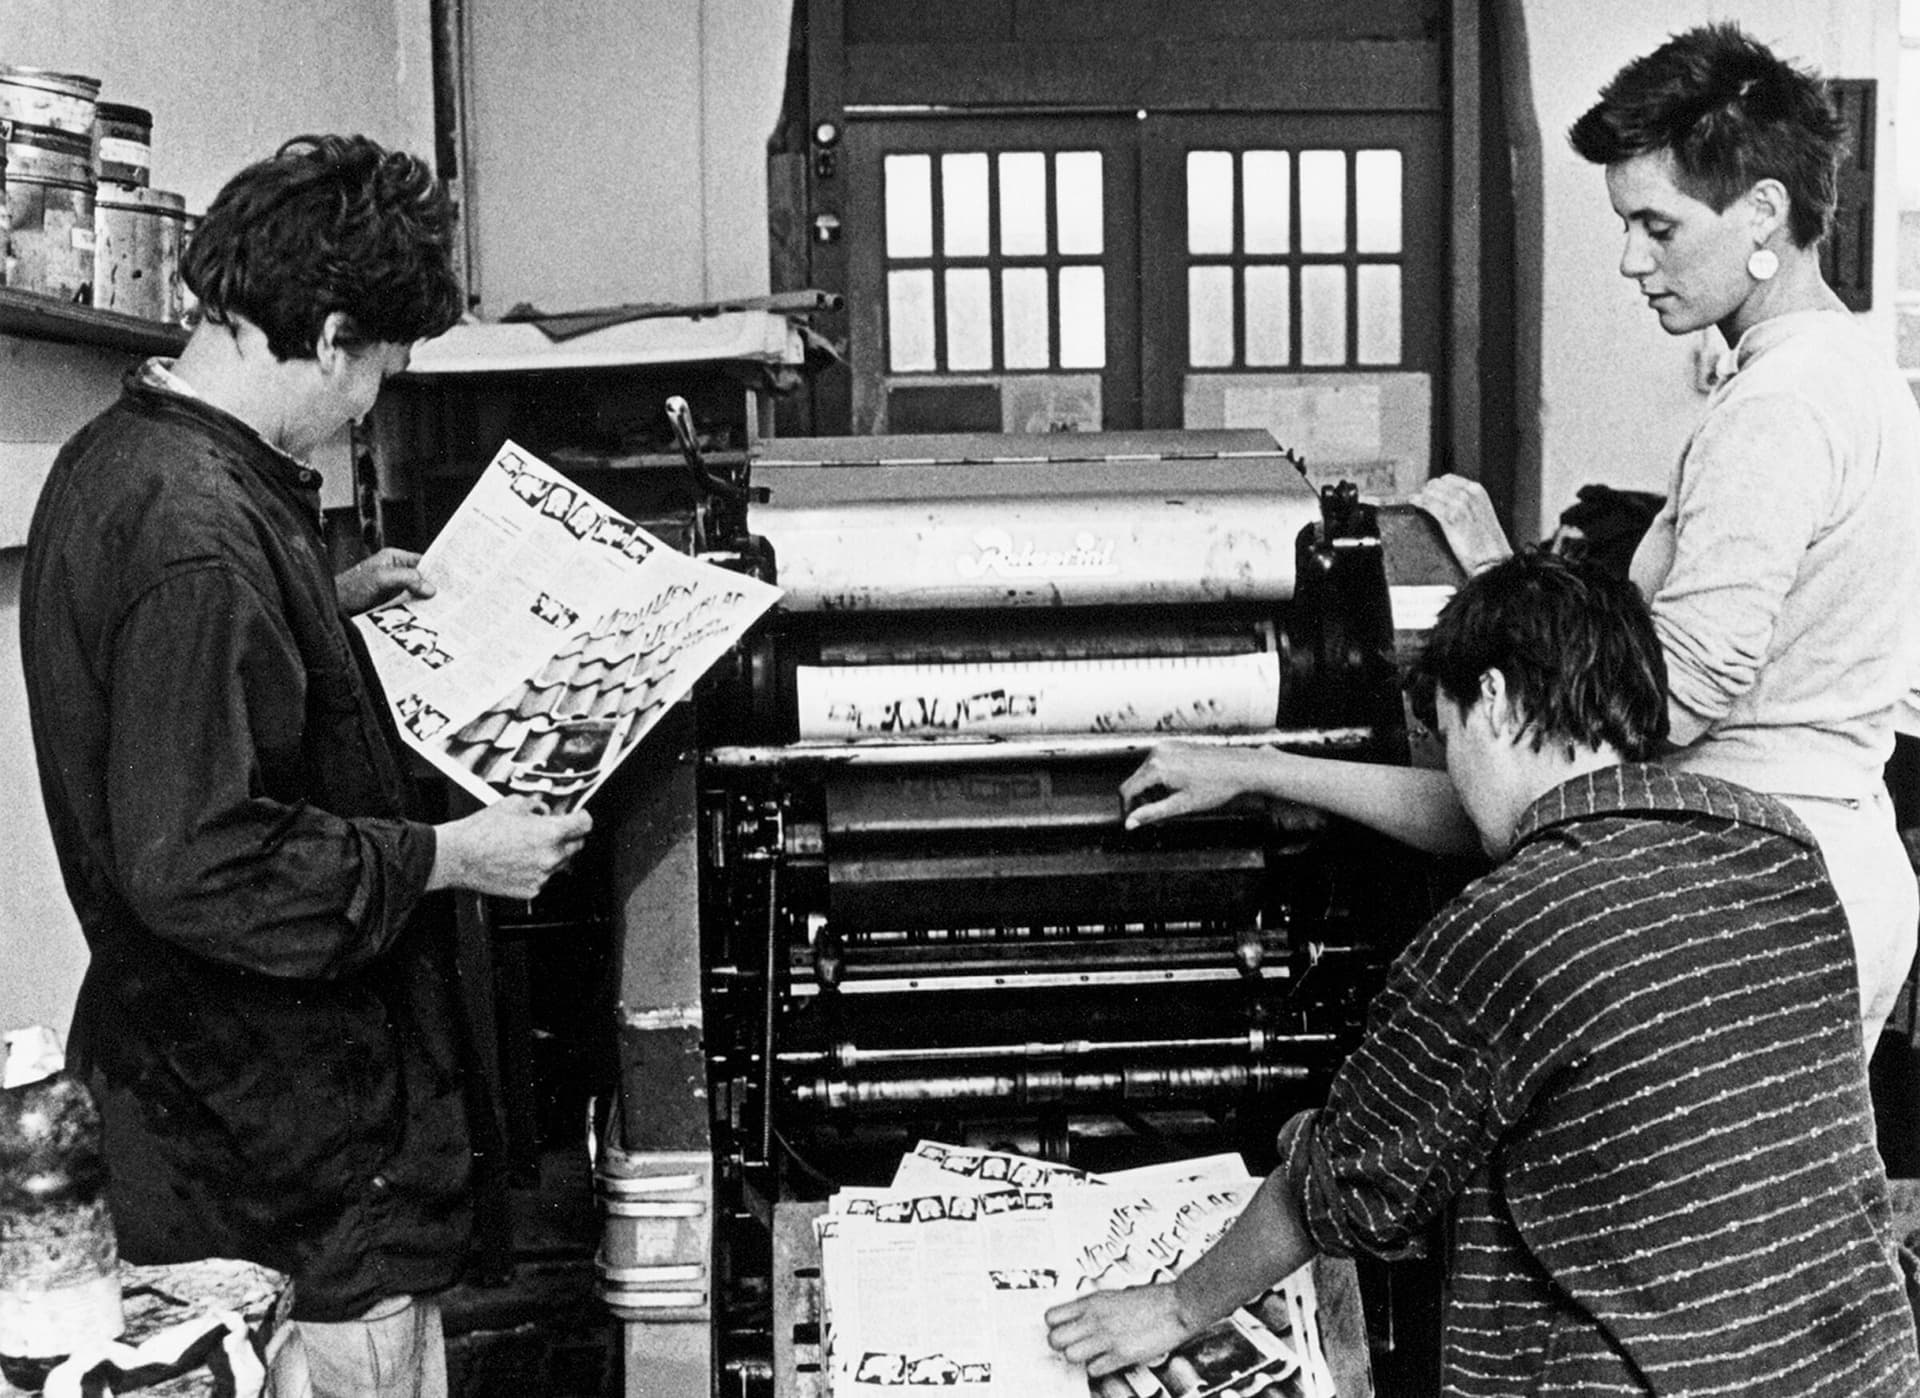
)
(1784, 568)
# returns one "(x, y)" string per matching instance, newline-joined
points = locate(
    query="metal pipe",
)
(1047, 1088)
(1027, 981)
(1044, 934)
(849, 1055)
(769, 1010)
(1141, 958)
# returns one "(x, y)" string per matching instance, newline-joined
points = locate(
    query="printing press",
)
(876, 886)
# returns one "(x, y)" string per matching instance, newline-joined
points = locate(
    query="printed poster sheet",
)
(944, 1278)
(558, 634)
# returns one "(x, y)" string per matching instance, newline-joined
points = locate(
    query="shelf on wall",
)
(30, 316)
(459, 466)
(747, 337)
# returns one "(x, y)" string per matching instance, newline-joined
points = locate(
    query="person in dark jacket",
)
(267, 1025)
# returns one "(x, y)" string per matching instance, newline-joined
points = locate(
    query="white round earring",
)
(1762, 265)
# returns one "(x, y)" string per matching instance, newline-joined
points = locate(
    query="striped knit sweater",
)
(1629, 1060)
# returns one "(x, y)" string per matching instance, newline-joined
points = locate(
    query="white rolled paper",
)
(1171, 695)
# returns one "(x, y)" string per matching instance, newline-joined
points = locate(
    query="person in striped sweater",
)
(1627, 1059)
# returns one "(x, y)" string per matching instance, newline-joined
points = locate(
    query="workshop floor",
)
(545, 1331)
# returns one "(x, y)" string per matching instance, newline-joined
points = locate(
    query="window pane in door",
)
(1082, 217)
(1209, 317)
(1323, 201)
(1376, 188)
(1023, 203)
(909, 199)
(1323, 315)
(1023, 318)
(1268, 315)
(910, 319)
(1083, 317)
(969, 319)
(1379, 311)
(1266, 183)
(963, 204)
(1209, 201)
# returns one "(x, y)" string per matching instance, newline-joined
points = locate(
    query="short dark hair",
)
(1731, 113)
(325, 224)
(1576, 645)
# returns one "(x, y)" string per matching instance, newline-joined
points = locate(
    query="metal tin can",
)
(50, 238)
(123, 144)
(136, 250)
(38, 97)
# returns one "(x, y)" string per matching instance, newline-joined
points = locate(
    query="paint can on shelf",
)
(38, 97)
(123, 144)
(49, 198)
(136, 250)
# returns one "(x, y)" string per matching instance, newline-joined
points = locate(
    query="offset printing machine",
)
(875, 885)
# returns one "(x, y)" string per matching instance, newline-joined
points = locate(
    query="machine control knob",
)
(1249, 951)
(828, 961)
(805, 839)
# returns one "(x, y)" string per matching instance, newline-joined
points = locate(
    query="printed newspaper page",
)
(945, 1290)
(558, 634)
(933, 1167)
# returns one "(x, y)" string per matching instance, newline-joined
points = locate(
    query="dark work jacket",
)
(270, 1031)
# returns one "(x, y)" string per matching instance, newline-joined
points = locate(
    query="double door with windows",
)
(1032, 274)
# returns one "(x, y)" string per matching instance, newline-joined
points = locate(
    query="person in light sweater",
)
(1782, 570)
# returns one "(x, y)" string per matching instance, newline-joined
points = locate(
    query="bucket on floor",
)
(136, 250)
(38, 97)
(123, 144)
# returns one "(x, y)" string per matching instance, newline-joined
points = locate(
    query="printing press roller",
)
(937, 524)
(1059, 588)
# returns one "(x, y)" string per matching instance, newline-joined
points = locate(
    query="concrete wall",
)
(226, 81)
(618, 151)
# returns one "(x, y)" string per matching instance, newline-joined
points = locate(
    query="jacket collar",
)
(1651, 788)
(154, 381)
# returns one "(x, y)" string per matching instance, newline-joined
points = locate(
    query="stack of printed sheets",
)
(943, 1279)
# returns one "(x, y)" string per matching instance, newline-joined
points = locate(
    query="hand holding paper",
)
(507, 850)
(1109, 1330)
(380, 578)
